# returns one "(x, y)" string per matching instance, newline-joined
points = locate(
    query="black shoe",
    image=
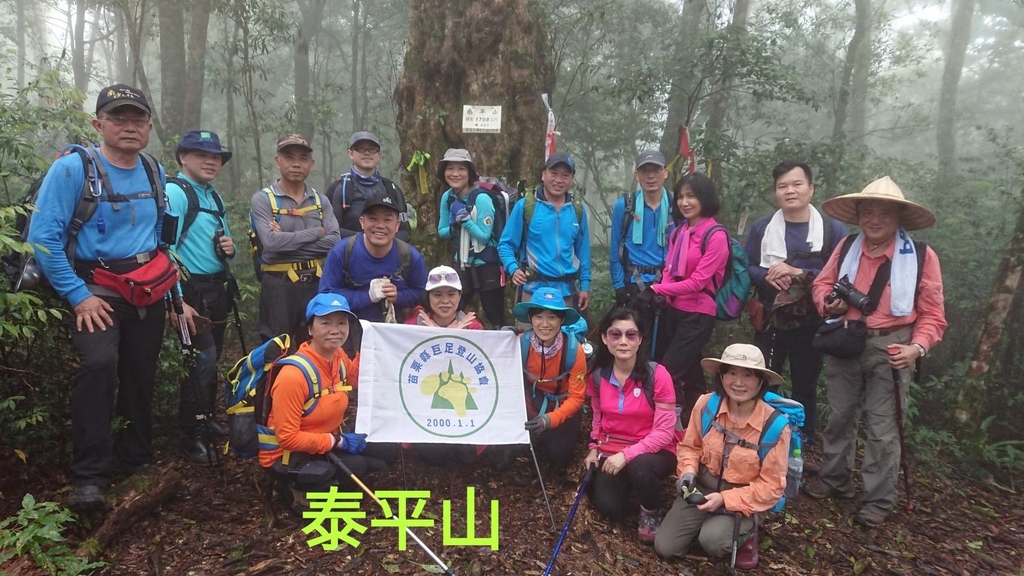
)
(217, 427)
(87, 498)
(201, 452)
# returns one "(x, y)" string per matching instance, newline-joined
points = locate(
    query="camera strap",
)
(877, 285)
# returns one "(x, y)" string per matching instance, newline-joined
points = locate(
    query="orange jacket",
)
(761, 484)
(290, 390)
(573, 384)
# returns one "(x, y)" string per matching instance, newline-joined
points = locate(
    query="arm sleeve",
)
(838, 233)
(333, 277)
(289, 393)
(55, 206)
(277, 241)
(710, 263)
(483, 212)
(824, 281)
(615, 265)
(593, 381)
(177, 204)
(332, 232)
(511, 239)
(576, 386)
(444, 218)
(691, 447)
(413, 292)
(770, 484)
(583, 252)
(930, 305)
(753, 250)
(664, 417)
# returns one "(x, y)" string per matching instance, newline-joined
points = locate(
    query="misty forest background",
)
(926, 91)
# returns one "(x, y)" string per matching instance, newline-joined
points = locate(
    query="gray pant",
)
(684, 522)
(866, 383)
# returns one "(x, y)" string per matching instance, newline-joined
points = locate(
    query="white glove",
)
(377, 290)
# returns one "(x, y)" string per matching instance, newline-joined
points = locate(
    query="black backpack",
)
(337, 195)
(193, 209)
(504, 197)
(95, 189)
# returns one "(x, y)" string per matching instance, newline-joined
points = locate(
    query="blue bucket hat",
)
(548, 299)
(203, 141)
(327, 303)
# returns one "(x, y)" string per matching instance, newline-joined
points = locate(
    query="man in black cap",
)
(546, 242)
(349, 192)
(639, 237)
(116, 341)
(204, 245)
(297, 228)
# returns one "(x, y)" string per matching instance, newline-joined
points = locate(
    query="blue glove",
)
(462, 216)
(353, 443)
(455, 207)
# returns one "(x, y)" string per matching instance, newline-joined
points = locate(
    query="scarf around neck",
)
(903, 277)
(773, 244)
(660, 227)
(367, 181)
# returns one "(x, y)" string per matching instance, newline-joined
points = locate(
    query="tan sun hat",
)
(844, 208)
(744, 356)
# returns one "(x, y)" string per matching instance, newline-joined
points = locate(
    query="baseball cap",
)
(203, 141)
(119, 95)
(328, 303)
(383, 198)
(650, 157)
(293, 140)
(442, 277)
(560, 158)
(361, 136)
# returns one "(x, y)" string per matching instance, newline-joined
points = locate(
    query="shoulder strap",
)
(312, 379)
(275, 208)
(577, 205)
(845, 249)
(529, 204)
(346, 259)
(710, 413)
(191, 208)
(770, 433)
(152, 168)
(569, 351)
(88, 201)
(524, 346)
(649, 382)
(707, 236)
(404, 259)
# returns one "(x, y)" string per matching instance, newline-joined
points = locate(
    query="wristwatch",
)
(920, 349)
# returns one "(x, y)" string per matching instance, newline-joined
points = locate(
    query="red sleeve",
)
(930, 305)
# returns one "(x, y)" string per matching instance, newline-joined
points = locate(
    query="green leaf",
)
(810, 552)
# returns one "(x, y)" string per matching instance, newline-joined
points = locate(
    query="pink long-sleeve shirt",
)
(692, 289)
(624, 420)
(928, 315)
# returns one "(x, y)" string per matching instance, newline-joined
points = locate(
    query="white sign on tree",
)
(481, 119)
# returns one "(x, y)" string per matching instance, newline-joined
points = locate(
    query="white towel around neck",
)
(773, 244)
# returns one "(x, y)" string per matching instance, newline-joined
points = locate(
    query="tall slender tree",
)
(956, 52)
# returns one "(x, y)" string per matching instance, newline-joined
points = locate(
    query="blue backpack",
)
(573, 342)
(731, 297)
(246, 386)
(794, 418)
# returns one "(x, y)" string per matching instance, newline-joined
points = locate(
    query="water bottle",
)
(795, 470)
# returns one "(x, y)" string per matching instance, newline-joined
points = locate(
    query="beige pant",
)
(684, 522)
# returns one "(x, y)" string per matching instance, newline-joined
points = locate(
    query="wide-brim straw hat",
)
(743, 356)
(844, 208)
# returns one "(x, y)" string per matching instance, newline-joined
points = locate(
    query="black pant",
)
(484, 281)
(643, 475)
(198, 394)
(804, 366)
(556, 444)
(315, 473)
(122, 358)
(681, 339)
(283, 307)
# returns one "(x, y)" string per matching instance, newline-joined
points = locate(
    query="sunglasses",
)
(615, 334)
(447, 277)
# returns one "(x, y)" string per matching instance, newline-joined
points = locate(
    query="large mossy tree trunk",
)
(477, 53)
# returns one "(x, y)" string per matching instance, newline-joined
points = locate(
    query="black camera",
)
(844, 289)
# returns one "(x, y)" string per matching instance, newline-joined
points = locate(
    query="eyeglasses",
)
(615, 334)
(447, 276)
(122, 121)
(367, 151)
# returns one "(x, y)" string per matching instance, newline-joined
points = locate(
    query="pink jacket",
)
(624, 420)
(692, 289)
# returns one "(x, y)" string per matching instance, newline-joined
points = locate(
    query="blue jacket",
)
(116, 231)
(556, 244)
(647, 254)
(197, 251)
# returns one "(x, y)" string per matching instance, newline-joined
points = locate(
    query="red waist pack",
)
(143, 286)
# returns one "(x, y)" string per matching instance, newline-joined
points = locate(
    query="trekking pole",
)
(233, 292)
(897, 384)
(731, 568)
(188, 351)
(543, 490)
(572, 514)
(337, 461)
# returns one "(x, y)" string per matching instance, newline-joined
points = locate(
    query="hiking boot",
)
(86, 498)
(650, 520)
(201, 452)
(819, 490)
(869, 519)
(746, 555)
(218, 428)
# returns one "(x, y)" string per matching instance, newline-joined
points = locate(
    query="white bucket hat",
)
(458, 155)
(844, 208)
(443, 277)
(744, 356)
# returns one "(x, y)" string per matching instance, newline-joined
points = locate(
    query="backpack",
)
(530, 204)
(96, 188)
(193, 209)
(504, 197)
(731, 297)
(647, 384)
(773, 426)
(256, 245)
(246, 388)
(404, 261)
(337, 195)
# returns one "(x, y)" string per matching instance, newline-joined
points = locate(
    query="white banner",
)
(424, 384)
